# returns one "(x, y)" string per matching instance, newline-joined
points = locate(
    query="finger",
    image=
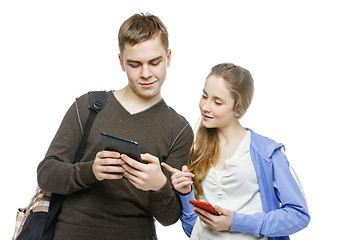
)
(108, 154)
(185, 168)
(111, 162)
(149, 158)
(182, 175)
(179, 180)
(133, 163)
(135, 180)
(188, 175)
(221, 210)
(109, 176)
(205, 220)
(131, 170)
(169, 168)
(113, 169)
(106, 168)
(186, 171)
(182, 185)
(204, 215)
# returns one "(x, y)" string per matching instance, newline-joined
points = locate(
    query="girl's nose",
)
(205, 107)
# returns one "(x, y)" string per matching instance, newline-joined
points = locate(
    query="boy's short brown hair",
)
(141, 27)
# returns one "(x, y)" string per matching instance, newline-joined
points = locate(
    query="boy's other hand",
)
(144, 176)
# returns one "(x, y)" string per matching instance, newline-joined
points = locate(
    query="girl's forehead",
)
(216, 86)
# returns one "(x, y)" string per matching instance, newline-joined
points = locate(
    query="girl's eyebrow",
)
(215, 97)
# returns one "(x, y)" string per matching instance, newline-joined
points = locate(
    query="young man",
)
(103, 205)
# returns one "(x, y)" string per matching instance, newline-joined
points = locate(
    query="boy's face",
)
(145, 65)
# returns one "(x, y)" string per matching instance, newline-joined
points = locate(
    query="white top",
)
(235, 188)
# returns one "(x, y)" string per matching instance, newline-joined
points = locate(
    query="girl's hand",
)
(181, 180)
(218, 223)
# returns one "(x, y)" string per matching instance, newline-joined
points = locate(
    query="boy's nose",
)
(146, 71)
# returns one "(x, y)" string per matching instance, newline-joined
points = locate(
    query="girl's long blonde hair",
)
(205, 150)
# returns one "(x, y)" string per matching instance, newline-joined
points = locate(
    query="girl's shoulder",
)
(264, 146)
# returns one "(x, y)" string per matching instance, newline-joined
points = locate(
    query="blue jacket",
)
(284, 207)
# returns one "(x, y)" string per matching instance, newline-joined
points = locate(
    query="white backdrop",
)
(303, 55)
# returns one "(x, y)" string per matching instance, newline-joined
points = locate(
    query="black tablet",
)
(121, 145)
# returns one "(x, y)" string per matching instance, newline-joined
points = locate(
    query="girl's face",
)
(217, 104)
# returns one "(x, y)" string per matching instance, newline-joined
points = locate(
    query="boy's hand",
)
(181, 180)
(144, 176)
(106, 163)
(219, 223)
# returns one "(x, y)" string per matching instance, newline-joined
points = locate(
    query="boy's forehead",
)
(149, 48)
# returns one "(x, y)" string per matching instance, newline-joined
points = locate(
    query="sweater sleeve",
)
(293, 214)
(165, 200)
(57, 173)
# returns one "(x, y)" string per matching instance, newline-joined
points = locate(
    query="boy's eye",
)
(204, 96)
(134, 65)
(155, 63)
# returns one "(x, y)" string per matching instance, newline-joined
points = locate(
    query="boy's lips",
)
(146, 85)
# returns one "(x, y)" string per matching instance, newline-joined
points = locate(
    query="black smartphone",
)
(121, 145)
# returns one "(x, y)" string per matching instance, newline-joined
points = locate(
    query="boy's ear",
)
(122, 63)
(168, 58)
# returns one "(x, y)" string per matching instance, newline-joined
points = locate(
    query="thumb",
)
(185, 168)
(222, 211)
(150, 158)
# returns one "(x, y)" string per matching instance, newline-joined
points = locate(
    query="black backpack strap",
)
(97, 101)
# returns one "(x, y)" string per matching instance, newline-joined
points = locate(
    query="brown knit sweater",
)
(113, 209)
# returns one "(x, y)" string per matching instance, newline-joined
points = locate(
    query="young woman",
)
(244, 175)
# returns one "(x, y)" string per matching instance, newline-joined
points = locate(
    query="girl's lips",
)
(206, 117)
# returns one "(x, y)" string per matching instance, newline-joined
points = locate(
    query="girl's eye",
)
(218, 103)
(203, 96)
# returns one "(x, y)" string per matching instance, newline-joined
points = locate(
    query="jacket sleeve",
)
(293, 214)
(57, 173)
(166, 200)
(188, 216)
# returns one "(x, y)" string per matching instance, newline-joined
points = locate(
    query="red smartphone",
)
(204, 205)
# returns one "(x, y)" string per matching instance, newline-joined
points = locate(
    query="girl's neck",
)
(230, 138)
(231, 133)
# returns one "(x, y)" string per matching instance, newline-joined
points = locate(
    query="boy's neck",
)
(134, 103)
